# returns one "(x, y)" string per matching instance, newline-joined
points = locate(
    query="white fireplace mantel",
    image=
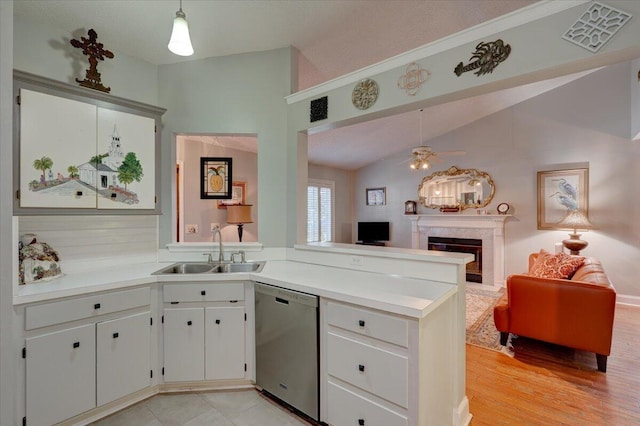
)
(421, 224)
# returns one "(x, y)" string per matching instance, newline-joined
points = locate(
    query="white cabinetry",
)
(205, 339)
(224, 342)
(122, 356)
(60, 374)
(381, 369)
(183, 344)
(367, 367)
(85, 352)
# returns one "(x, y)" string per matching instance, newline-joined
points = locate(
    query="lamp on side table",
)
(575, 220)
(239, 214)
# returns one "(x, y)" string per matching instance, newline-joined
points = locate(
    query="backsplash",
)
(87, 242)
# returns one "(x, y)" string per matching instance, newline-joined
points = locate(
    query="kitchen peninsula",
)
(400, 312)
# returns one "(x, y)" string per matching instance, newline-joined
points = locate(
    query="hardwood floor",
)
(546, 384)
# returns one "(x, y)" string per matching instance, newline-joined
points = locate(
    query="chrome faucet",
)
(216, 230)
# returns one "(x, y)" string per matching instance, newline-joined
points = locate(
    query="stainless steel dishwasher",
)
(287, 346)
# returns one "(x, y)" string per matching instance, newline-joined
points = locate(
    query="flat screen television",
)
(369, 232)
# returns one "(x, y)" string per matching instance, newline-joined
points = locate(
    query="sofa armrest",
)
(501, 314)
(572, 313)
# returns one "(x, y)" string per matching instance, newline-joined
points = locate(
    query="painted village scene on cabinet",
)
(78, 155)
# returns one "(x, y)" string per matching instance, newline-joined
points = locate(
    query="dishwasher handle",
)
(282, 301)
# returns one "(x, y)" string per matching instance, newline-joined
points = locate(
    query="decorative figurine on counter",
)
(39, 262)
(95, 51)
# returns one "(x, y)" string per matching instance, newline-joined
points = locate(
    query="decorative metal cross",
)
(95, 51)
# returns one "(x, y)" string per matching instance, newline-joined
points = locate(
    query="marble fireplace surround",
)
(486, 227)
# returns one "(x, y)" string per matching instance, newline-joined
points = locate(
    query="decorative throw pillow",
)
(559, 265)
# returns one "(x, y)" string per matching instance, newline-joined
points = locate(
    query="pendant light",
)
(422, 153)
(180, 42)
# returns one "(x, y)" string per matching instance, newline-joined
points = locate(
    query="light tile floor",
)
(219, 408)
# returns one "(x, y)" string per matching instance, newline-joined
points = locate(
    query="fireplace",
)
(462, 245)
(488, 228)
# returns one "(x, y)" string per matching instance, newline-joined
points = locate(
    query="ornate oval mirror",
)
(466, 188)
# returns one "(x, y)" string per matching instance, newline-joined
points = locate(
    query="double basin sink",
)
(182, 268)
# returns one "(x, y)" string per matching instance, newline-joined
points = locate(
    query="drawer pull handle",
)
(202, 293)
(361, 422)
(361, 323)
(115, 335)
(189, 323)
(217, 321)
(76, 345)
(96, 306)
(361, 368)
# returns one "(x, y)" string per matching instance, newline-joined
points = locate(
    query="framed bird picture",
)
(559, 192)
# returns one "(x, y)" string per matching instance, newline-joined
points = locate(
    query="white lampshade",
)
(180, 42)
(575, 220)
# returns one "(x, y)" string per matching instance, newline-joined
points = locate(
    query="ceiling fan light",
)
(425, 165)
(180, 42)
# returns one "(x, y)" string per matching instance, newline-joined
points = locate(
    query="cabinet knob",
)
(217, 321)
(189, 323)
(361, 368)
(202, 293)
(115, 335)
(76, 345)
(361, 323)
(96, 306)
(361, 422)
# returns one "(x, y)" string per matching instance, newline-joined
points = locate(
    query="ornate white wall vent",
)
(596, 26)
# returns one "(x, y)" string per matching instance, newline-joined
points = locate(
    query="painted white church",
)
(104, 174)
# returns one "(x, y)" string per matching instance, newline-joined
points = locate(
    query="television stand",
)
(371, 243)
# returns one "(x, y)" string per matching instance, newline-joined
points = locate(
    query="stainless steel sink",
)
(181, 268)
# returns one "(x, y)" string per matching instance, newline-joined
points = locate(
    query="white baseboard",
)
(623, 299)
(461, 415)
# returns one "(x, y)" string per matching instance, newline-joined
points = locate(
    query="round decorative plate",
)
(365, 94)
(503, 208)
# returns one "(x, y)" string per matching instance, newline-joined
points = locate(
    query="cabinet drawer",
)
(347, 408)
(85, 307)
(203, 292)
(375, 370)
(368, 323)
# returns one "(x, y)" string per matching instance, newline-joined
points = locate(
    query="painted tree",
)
(43, 164)
(97, 159)
(73, 172)
(130, 170)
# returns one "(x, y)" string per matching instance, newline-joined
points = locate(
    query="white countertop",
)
(392, 293)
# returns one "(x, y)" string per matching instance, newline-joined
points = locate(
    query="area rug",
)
(481, 331)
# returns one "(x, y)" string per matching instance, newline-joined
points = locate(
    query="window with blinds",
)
(320, 210)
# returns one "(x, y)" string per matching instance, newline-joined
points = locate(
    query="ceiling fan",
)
(422, 156)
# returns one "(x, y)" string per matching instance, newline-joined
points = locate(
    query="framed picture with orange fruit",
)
(215, 178)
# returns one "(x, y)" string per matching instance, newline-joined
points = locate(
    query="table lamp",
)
(575, 220)
(239, 214)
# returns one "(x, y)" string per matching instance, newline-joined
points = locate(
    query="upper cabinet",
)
(83, 152)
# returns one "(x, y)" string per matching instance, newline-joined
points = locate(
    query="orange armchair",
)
(576, 312)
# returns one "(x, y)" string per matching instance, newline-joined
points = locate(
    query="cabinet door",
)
(123, 351)
(61, 379)
(183, 344)
(57, 144)
(224, 343)
(126, 178)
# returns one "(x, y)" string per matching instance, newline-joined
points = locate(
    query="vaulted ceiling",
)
(333, 38)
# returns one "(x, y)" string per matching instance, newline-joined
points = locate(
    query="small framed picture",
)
(215, 178)
(410, 207)
(376, 196)
(238, 191)
(561, 191)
